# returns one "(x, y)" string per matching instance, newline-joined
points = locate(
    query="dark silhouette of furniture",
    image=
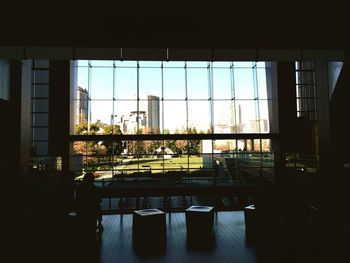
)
(250, 219)
(199, 223)
(149, 230)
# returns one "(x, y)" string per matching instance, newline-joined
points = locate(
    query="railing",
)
(124, 195)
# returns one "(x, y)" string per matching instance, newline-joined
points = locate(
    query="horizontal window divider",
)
(168, 99)
(160, 137)
(40, 69)
(40, 83)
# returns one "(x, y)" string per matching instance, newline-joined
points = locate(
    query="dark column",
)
(287, 107)
(15, 193)
(281, 91)
(59, 108)
(13, 120)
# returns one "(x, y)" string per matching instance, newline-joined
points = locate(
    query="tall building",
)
(258, 126)
(153, 113)
(82, 106)
(137, 121)
(130, 125)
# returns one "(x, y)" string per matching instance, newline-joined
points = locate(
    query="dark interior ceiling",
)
(191, 24)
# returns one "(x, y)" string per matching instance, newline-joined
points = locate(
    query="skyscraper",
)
(82, 106)
(153, 114)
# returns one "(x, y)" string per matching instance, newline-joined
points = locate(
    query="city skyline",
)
(185, 100)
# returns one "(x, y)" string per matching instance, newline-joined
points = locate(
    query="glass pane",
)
(41, 63)
(199, 116)
(41, 91)
(125, 64)
(83, 77)
(241, 146)
(260, 64)
(223, 116)
(77, 164)
(40, 119)
(150, 64)
(245, 116)
(102, 63)
(41, 76)
(83, 63)
(243, 83)
(243, 64)
(195, 164)
(197, 83)
(196, 64)
(125, 113)
(80, 147)
(249, 144)
(41, 148)
(101, 115)
(101, 83)
(174, 83)
(227, 147)
(126, 83)
(40, 134)
(261, 75)
(175, 117)
(151, 109)
(266, 145)
(150, 82)
(221, 64)
(264, 117)
(41, 105)
(174, 64)
(222, 83)
(256, 145)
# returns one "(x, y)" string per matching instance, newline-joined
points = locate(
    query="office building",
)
(82, 106)
(153, 114)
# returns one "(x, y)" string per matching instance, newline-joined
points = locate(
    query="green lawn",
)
(158, 165)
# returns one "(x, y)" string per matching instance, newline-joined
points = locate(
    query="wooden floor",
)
(47, 240)
(228, 246)
(115, 244)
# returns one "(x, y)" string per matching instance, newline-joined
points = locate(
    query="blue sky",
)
(121, 83)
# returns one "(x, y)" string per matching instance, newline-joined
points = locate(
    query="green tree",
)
(171, 144)
(81, 128)
(116, 147)
(193, 146)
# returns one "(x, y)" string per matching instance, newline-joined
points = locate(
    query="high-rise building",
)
(82, 106)
(135, 122)
(258, 126)
(153, 114)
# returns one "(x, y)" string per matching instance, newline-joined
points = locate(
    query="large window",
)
(183, 118)
(149, 97)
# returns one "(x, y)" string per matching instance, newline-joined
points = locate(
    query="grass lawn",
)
(157, 165)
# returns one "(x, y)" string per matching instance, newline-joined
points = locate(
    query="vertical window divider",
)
(256, 97)
(233, 100)
(211, 86)
(137, 114)
(162, 80)
(113, 120)
(89, 96)
(162, 76)
(187, 128)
